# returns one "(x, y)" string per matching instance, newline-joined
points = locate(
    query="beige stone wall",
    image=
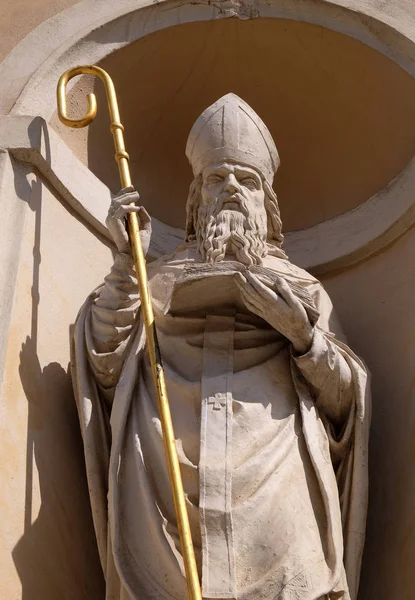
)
(20, 17)
(47, 547)
(375, 304)
(344, 125)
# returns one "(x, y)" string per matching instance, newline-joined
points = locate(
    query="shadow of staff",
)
(56, 557)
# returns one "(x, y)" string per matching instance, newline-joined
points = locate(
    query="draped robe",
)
(276, 492)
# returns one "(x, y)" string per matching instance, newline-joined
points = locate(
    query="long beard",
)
(242, 233)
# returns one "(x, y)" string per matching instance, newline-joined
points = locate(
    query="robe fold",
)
(276, 491)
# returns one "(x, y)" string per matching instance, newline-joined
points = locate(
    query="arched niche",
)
(338, 110)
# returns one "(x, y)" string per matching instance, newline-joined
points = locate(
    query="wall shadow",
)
(56, 557)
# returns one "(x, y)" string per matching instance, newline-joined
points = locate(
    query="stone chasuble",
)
(258, 460)
(276, 492)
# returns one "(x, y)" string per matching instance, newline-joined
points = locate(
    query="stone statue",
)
(270, 409)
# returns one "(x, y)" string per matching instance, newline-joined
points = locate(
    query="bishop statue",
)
(270, 406)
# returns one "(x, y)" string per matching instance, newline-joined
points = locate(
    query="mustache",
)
(236, 198)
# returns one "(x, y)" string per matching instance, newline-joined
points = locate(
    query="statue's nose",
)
(231, 184)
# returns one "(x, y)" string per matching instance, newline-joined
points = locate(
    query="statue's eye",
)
(250, 183)
(214, 179)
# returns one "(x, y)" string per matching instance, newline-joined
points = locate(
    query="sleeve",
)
(324, 366)
(333, 380)
(329, 377)
(110, 323)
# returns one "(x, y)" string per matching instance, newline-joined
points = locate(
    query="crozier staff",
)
(138, 253)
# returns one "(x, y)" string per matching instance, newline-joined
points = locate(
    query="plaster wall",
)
(20, 17)
(375, 303)
(47, 547)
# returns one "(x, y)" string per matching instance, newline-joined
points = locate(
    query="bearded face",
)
(231, 217)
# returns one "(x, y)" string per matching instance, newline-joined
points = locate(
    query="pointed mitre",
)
(231, 130)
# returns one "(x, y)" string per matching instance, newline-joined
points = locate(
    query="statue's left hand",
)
(280, 308)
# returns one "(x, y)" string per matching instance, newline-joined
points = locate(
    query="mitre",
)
(230, 130)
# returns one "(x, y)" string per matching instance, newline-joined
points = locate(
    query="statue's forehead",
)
(229, 167)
